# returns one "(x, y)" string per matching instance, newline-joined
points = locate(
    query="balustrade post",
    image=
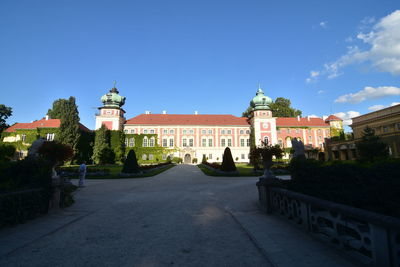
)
(380, 246)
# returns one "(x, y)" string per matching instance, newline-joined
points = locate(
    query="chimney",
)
(196, 112)
(147, 112)
(308, 118)
(164, 112)
(47, 117)
(298, 118)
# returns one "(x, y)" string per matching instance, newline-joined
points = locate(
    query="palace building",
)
(190, 136)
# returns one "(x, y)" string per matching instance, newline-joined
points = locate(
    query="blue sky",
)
(327, 57)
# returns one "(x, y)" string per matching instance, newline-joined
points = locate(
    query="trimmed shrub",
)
(130, 164)
(227, 161)
(194, 160)
(204, 159)
(177, 160)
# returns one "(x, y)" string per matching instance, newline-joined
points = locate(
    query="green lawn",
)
(114, 171)
(243, 168)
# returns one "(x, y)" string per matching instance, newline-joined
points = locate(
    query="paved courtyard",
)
(180, 217)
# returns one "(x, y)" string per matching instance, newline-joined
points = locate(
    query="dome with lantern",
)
(260, 101)
(113, 99)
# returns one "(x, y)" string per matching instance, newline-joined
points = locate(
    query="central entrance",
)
(187, 159)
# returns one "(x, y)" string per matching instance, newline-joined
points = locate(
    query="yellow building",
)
(386, 124)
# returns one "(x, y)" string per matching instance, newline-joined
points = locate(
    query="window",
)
(151, 157)
(171, 142)
(145, 131)
(190, 142)
(222, 131)
(50, 137)
(210, 131)
(319, 137)
(203, 142)
(229, 142)
(309, 131)
(279, 130)
(191, 131)
(145, 140)
(241, 132)
(319, 131)
(164, 142)
(171, 131)
(151, 142)
(126, 141)
(242, 142)
(23, 138)
(164, 156)
(203, 131)
(242, 156)
(144, 157)
(126, 131)
(247, 131)
(184, 142)
(248, 156)
(209, 156)
(132, 142)
(248, 142)
(210, 142)
(385, 129)
(288, 130)
(184, 131)
(266, 140)
(132, 131)
(165, 131)
(310, 139)
(152, 131)
(229, 131)
(297, 130)
(223, 142)
(327, 132)
(280, 143)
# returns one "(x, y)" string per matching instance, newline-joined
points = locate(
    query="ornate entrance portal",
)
(187, 159)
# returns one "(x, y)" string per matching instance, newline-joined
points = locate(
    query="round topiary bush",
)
(227, 161)
(130, 164)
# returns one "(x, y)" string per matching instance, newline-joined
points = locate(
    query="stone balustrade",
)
(371, 238)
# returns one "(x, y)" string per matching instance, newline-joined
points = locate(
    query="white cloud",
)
(394, 104)
(313, 76)
(323, 24)
(313, 116)
(321, 91)
(369, 93)
(376, 107)
(383, 52)
(347, 116)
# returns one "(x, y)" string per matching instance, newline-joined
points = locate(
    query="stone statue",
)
(33, 151)
(298, 147)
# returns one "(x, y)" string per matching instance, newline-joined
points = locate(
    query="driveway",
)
(180, 217)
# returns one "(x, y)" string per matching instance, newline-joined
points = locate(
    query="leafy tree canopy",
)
(5, 112)
(58, 109)
(371, 148)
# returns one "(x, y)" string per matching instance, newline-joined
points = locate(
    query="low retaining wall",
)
(370, 237)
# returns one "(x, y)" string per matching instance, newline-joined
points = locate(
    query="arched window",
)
(145, 141)
(266, 140)
(151, 142)
(144, 157)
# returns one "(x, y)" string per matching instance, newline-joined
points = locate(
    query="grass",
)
(243, 169)
(114, 171)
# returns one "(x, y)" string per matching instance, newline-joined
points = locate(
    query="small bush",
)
(6, 152)
(194, 160)
(130, 164)
(227, 162)
(177, 160)
(204, 159)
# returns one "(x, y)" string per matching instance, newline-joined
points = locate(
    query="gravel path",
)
(180, 217)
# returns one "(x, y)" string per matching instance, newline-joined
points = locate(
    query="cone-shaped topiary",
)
(130, 164)
(204, 160)
(227, 161)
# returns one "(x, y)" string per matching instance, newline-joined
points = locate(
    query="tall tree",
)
(5, 112)
(282, 108)
(100, 144)
(67, 111)
(370, 147)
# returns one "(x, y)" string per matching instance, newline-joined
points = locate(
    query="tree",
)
(204, 159)
(371, 148)
(130, 164)
(227, 161)
(281, 108)
(117, 142)
(5, 112)
(247, 112)
(67, 112)
(100, 144)
(6, 152)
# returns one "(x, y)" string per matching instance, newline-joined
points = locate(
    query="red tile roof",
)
(301, 122)
(43, 123)
(186, 119)
(333, 118)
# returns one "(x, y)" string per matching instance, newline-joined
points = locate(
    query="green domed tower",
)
(111, 114)
(263, 123)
